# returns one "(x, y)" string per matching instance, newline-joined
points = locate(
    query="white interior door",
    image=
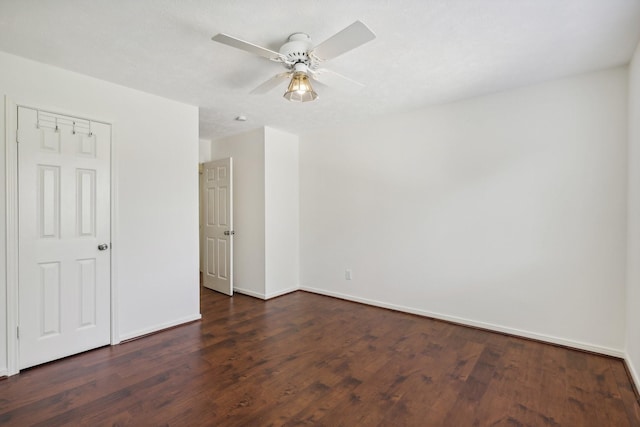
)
(64, 235)
(217, 225)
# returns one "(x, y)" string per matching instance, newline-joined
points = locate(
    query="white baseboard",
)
(160, 327)
(4, 373)
(264, 296)
(632, 370)
(249, 292)
(468, 322)
(282, 292)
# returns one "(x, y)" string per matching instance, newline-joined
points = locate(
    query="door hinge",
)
(18, 332)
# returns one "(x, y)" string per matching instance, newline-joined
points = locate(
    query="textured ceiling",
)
(426, 51)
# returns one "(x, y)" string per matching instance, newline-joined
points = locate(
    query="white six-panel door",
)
(217, 225)
(64, 217)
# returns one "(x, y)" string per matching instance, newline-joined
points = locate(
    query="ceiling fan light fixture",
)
(300, 89)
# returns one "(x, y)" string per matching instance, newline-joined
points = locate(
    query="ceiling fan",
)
(302, 60)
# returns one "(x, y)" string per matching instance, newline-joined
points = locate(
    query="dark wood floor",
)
(305, 359)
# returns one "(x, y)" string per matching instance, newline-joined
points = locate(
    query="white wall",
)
(247, 150)
(506, 211)
(265, 211)
(156, 225)
(633, 256)
(204, 150)
(282, 202)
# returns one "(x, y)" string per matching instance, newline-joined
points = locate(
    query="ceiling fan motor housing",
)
(296, 51)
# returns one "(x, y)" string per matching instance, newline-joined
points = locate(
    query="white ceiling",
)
(426, 51)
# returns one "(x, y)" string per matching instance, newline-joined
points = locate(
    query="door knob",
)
(229, 233)
(103, 247)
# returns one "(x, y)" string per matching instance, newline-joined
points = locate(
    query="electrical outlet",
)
(347, 274)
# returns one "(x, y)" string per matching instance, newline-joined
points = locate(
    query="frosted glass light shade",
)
(300, 89)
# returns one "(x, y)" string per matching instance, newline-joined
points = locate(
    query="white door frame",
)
(11, 148)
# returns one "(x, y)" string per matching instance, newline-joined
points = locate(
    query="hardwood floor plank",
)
(306, 359)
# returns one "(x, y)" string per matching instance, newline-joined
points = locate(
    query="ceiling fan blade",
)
(351, 37)
(272, 83)
(247, 47)
(335, 80)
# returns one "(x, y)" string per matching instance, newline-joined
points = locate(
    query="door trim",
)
(11, 160)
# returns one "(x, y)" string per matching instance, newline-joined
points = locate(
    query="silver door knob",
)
(103, 247)
(229, 233)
